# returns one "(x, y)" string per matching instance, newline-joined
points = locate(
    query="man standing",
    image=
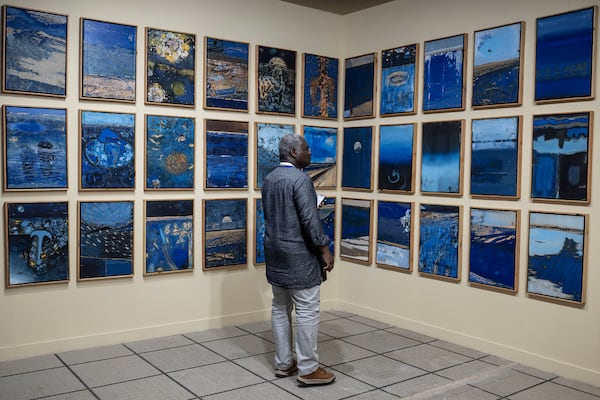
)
(296, 251)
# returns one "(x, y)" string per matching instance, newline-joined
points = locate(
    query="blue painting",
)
(440, 157)
(495, 157)
(323, 146)
(169, 236)
(564, 55)
(327, 217)
(267, 147)
(556, 266)
(560, 157)
(493, 252)
(320, 87)
(259, 232)
(355, 245)
(37, 243)
(396, 144)
(225, 233)
(35, 142)
(497, 66)
(35, 52)
(443, 80)
(394, 231)
(356, 168)
(107, 150)
(108, 53)
(105, 239)
(359, 87)
(169, 152)
(439, 241)
(398, 79)
(226, 154)
(276, 83)
(226, 75)
(170, 68)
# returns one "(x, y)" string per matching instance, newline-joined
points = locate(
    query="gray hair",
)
(289, 142)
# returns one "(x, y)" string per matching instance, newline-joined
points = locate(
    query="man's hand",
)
(326, 258)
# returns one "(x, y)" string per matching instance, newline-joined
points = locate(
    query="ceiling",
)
(340, 7)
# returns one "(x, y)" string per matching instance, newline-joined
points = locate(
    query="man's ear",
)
(293, 152)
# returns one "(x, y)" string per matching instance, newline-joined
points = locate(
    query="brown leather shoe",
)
(284, 373)
(319, 377)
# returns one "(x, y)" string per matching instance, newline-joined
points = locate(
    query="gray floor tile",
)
(161, 343)
(261, 391)
(417, 385)
(507, 381)
(343, 387)
(80, 395)
(370, 322)
(381, 341)
(428, 357)
(465, 351)
(255, 327)
(29, 365)
(216, 334)
(261, 365)
(154, 388)
(240, 346)
(411, 335)
(534, 372)
(215, 378)
(552, 391)
(379, 371)
(335, 352)
(94, 354)
(374, 395)
(459, 393)
(38, 384)
(327, 316)
(472, 370)
(114, 370)
(340, 313)
(169, 360)
(269, 336)
(343, 327)
(584, 387)
(495, 360)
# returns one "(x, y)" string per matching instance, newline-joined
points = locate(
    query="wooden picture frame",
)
(225, 233)
(35, 148)
(170, 152)
(275, 81)
(397, 158)
(395, 236)
(359, 87)
(356, 231)
(225, 155)
(268, 136)
(225, 75)
(357, 158)
(105, 240)
(322, 142)
(399, 77)
(320, 86)
(34, 57)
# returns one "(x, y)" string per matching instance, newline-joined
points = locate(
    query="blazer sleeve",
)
(305, 199)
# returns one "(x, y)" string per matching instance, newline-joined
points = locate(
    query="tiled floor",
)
(372, 360)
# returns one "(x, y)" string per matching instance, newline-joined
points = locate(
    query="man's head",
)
(294, 149)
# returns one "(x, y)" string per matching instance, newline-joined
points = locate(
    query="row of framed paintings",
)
(564, 68)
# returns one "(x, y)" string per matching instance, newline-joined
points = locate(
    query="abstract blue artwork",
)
(320, 87)
(170, 147)
(107, 150)
(396, 144)
(35, 52)
(357, 155)
(225, 233)
(556, 259)
(497, 66)
(322, 142)
(37, 243)
(105, 239)
(355, 245)
(276, 81)
(439, 241)
(35, 152)
(394, 235)
(495, 157)
(493, 249)
(443, 80)
(169, 239)
(327, 217)
(560, 157)
(441, 157)
(226, 75)
(267, 148)
(398, 80)
(226, 150)
(564, 55)
(108, 53)
(259, 232)
(359, 85)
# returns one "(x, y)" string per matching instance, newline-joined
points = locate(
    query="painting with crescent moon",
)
(225, 233)
(398, 80)
(357, 157)
(396, 161)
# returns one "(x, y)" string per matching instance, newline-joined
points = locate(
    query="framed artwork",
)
(496, 157)
(276, 81)
(226, 154)
(34, 59)
(355, 245)
(105, 239)
(359, 87)
(322, 142)
(35, 148)
(557, 257)
(497, 72)
(267, 148)
(259, 233)
(394, 235)
(565, 49)
(108, 56)
(561, 157)
(356, 159)
(441, 158)
(170, 68)
(225, 233)
(169, 240)
(439, 241)
(170, 149)
(398, 80)
(327, 217)
(396, 158)
(226, 75)
(36, 243)
(494, 249)
(107, 150)
(320, 87)
(444, 74)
